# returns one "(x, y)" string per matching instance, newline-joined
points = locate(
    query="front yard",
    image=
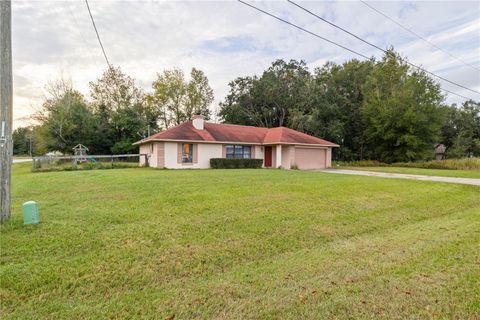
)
(239, 244)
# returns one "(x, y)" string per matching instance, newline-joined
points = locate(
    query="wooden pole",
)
(6, 97)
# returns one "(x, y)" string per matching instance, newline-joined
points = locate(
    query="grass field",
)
(426, 172)
(240, 244)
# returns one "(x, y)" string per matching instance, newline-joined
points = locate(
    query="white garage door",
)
(310, 158)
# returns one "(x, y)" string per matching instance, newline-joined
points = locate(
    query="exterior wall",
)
(288, 156)
(274, 157)
(310, 158)
(166, 155)
(155, 154)
(278, 156)
(160, 152)
(258, 153)
(203, 152)
(145, 149)
(328, 161)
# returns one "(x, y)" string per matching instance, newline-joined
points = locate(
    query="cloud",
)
(225, 40)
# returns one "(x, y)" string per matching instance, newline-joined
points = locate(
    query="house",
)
(193, 143)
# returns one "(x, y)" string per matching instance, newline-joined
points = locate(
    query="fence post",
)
(33, 164)
(111, 159)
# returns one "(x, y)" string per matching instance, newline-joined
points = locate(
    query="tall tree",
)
(169, 96)
(267, 100)
(120, 113)
(199, 95)
(115, 90)
(461, 130)
(65, 118)
(402, 112)
(175, 100)
(23, 141)
(335, 106)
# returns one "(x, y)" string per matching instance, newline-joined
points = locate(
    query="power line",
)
(98, 36)
(419, 36)
(381, 49)
(304, 30)
(323, 38)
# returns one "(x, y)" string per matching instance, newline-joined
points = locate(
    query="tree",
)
(266, 101)
(115, 90)
(65, 118)
(461, 130)
(169, 97)
(23, 142)
(402, 112)
(121, 116)
(335, 107)
(199, 95)
(175, 100)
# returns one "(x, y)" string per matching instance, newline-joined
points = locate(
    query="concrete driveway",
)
(470, 181)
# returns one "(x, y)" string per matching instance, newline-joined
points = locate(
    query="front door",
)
(268, 157)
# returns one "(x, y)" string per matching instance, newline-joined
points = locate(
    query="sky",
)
(226, 39)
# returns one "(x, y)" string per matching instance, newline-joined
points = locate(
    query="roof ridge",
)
(237, 125)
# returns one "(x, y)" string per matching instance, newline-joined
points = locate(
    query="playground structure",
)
(80, 153)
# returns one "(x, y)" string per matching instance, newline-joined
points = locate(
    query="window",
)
(187, 153)
(238, 151)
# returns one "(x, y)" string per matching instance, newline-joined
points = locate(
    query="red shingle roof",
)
(219, 132)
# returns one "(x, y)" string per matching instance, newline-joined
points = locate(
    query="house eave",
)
(237, 142)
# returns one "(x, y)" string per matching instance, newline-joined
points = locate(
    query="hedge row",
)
(452, 164)
(223, 163)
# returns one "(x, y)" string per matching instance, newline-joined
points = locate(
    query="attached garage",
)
(310, 158)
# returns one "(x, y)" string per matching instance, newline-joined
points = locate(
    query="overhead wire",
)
(329, 41)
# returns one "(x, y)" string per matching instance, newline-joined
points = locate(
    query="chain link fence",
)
(88, 162)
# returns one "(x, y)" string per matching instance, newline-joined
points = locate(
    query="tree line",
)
(378, 110)
(375, 110)
(117, 113)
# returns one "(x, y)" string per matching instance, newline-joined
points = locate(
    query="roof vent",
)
(198, 122)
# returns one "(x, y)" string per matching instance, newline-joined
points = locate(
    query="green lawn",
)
(425, 172)
(240, 244)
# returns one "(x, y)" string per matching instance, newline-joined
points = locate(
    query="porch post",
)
(278, 156)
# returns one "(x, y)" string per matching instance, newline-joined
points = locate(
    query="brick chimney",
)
(198, 122)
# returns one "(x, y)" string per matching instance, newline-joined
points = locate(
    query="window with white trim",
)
(187, 153)
(238, 151)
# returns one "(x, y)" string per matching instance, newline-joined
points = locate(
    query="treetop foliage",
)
(117, 114)
(381, 110)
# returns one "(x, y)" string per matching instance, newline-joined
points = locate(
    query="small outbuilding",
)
(440, 151)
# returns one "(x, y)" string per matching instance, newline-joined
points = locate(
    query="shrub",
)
(223, 163)
(449, 164)
(359, 163)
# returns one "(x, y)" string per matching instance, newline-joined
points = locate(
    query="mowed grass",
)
(240, 244)
(426, 172)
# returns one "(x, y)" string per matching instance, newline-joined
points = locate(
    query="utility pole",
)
(6, 97)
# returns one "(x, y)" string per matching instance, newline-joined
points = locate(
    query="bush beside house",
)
(224, 163)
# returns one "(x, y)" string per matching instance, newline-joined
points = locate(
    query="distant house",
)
(193, 143)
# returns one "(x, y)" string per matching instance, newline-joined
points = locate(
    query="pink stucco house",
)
(193, 143)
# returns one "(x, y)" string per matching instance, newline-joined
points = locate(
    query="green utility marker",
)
(30, 213)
